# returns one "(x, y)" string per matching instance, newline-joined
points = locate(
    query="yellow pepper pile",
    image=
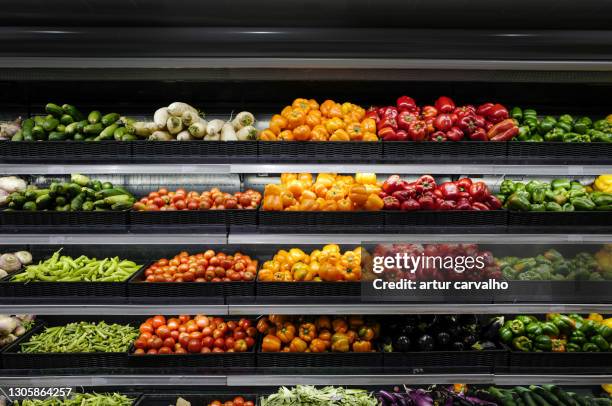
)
(604, 258)
(327, 264)
(306, 120)
(330, 192)
(603, 183)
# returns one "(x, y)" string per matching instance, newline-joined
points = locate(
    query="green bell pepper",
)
(538, 195)
(533, 185)
(600, 136)
(547, 124)
(520, 266)
(576, 193)
(568, 207)
(554, 135)
(502, 198)
(589, 327)
(566, 118)
(537, 207)
(536, 138)
(601, 198)
(530, 113)
(525, 319)
(590, 347)
(518, 202)
(509, 273)
(603, 125)
(603, 330)
(563, 126)
(533, 330)
(506, 335)
(549, 329)
(516, 113)
(564, 323)
(524, 133)
(516, 326)
(578, 337)
(542, 343)
(572, 137)
(553, 206)
(560, 183)
(600, 342)
(507, 187)
(572, 347)
(582, 125)
(558, 196)
(583, 203)
(558, 345)
(522, 343)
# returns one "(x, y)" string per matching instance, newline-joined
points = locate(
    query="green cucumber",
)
(78, 137)
(26, 129)
(54, 109)
(107, 133)
(94, 117)
(122, 206)
(39, 133)
(60, 201)
(81, 125)
(29, 206)
(73, 112)
(129, 137)
(57, 136)
(18, 136)
(66, 119)
(61, 128)
(119, 132)
(50, 124)
(39, 120)
(93, 129)
(110, 118)
(87, 206)
(71, 128)
(104, 193)
(43, 201)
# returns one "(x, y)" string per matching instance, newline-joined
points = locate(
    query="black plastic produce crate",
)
(216, 291)
(308, 289)
(576, 291)
(465, 221)
(342, 360)
(190, 221)
(63, 221)
(321, 221)
(319, 151)
(560, 222)
(61, 289)
(453, 152)
(65, 151)
(196, 399)
(560, 153)
(13, 359)
(216, 362)
(196, 151)
(446, 361)
(561, 362)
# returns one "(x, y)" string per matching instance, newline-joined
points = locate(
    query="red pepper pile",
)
(443, 122)
(425, 194)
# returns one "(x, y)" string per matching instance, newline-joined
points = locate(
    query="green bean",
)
(81, 399)
(83, 269)
(82, 337)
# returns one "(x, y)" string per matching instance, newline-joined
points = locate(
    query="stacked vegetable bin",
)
(255, 284)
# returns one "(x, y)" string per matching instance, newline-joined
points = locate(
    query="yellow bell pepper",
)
(595, 317)
(603, 183)
(365, 178)
(607, 322)
(607, 387)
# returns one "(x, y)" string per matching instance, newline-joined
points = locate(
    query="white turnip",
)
(178, 108)
(161, 136)
(174, 125)
(248, 133)
(243, 119)
(228, 133)
(214, 127)
(184, 136)
(161, 117)
(198, 130)
(190, 117)
(24, 257)
(10, 263)
(12, 184)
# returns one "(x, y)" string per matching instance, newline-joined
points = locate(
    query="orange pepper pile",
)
(330, 192)
(327, 264)
(306, 120)
(319, 334)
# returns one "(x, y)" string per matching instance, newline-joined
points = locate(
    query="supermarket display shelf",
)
(86, 239)
(263, 168)
(303, 309)
(275, 380)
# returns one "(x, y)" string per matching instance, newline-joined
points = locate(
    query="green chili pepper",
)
(522, 343)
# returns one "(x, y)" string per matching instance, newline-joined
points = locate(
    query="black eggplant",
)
(454, 331)
(443, 340)
(468, 319)
(408, 330)
(427, 322)
(490, 331)
(458, 346)
(402, 344)
(426, 342)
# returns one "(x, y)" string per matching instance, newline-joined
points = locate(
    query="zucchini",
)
(93, 129)
(119, 132)
(80, 180)
(121, 206)
(118, 199)
(94, 117)
(97, 185)
(66, 119)
(18, 136)
(73, 189)
(104, 193)
(26, 129)
(50, 124)
(54, 187)
(549, 396)
(540, 401)
(29, 206)
(57, 136)
(54, 109)
(110, 118)
(73, 112)
(107, 133)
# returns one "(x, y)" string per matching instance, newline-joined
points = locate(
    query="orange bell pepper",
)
(308, 332)
(302, 104)
(298, 345)
(374, 203)
(362, 346)
(272, 203)
(340, 135)
(317, 345)
(295, 118)
(323, 323)
(302, 133)
(271, 343)
(286, 135)
(358, 194)
(286, 333)
(334, 124)
(340, 343)
(355, 131)
(339, 326)
(278, 123)
(268, 135)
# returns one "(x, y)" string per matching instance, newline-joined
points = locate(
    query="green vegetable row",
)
(81, 399)
(82, 269)
(82, 337)
(559, 333)
(566, 128)
(558, 195)
(80, 194)
(68, 123)
(545, 395)
(551, 265)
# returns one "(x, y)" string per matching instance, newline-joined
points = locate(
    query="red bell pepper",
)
(464, 184)
(388, 111)
(391, 203)
(454, 134)
(503, 131)
(386, 133)
(373, 114)
(403, 195)
(480, 206)
(392, 184)
(480, 134)
(498, 113)
(443, 122)
(406, 103)
(467, 110)
(438, 193)
(484, 109)
(449, 190)
(438, 136)
(429, 111)
(405, 118)
(479, 192)
(448, 205)
(471, 123)
(417, 130)
(464, 204)
(410, 205)
(445, 104)
(401, 135)
(425, 183)
(427, 202)
(493, 202)
(387, 122)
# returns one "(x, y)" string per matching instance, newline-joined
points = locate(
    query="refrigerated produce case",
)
(229, 57)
